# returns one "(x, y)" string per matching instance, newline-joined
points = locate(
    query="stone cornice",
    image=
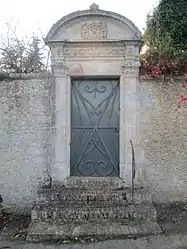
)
(102, 42)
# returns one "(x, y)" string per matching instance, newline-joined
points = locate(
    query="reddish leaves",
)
(183, 97)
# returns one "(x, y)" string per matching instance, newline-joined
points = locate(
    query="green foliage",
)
(167, 26)
(166, 37)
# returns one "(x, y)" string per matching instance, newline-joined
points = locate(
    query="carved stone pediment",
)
(93, 24)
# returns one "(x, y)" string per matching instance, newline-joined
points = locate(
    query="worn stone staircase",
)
(69, 212)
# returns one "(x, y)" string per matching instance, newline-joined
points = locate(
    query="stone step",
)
(82, 197)
(93, 182)
(121, 214)
(47, 231)
(64, 212)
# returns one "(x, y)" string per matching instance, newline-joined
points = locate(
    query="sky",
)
(37, 16)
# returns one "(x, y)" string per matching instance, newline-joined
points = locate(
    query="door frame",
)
(61, 115)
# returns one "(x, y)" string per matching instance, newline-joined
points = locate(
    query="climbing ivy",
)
(167, 26)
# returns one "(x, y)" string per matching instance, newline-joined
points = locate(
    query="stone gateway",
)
(95, 62)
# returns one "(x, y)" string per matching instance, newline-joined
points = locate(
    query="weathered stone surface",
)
(94, 183)
(47, 231)
(85, 212)
(163, 142)
(81, 197)
(122, 214)
(25, 131)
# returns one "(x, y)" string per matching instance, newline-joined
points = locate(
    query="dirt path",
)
(155, 242)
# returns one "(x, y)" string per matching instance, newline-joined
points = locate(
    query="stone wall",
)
(163, 139)
(25, 121)
(25, 141)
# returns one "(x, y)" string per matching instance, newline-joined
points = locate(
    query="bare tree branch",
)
(22, 55)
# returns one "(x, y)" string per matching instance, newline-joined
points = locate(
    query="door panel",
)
(95, 128)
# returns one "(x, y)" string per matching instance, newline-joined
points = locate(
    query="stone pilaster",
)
(129, 117)
(61, 133)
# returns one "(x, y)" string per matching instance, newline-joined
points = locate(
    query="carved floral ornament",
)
(94, 51)
(103, 48)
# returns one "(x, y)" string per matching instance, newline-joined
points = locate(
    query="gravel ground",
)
(156, 242)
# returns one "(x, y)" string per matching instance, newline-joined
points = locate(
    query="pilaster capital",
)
(131, 67)
(60, 69)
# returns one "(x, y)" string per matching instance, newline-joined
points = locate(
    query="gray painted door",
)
(95, 127)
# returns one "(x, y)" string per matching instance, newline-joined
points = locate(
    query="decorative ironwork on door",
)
(95, 128)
